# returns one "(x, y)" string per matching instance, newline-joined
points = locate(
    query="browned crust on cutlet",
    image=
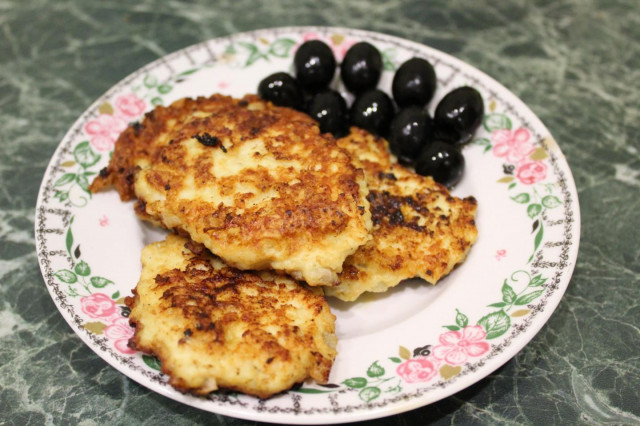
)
(415, 220)
(140, 141)
(260, 187)
(419, 228)
(304, 207)
(229, 319)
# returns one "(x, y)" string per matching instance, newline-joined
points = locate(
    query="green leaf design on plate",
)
(508, 295)
(187, 72)
(69, 241)
(369, 394)
(482, 142)
(537, 281)
(395, 359)
(61, 195)
(281, 47)
(100, 282)
(83, 182)
(150, 81)
(495, 324)
(156, 101)
(84, 155)
(388, 57)
(528, 298)
(497, 305)
(65, 179)
(311, 391)
(356, 382)
(115, 295)
(551, 201)
(66, 276)
(534, 210)
(152, 362)
(496, 121)
(375, 370)
(254, 53)
(451, 327)
(461, 319)
(521, 198)
(536, 242)
(83, 269)
(165, 88)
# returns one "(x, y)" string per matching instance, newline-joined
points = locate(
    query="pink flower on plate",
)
(123, 346)
(104, 220)
(420, 369)
(515, 146)
(99, 306)
(129, 106)
(120, 331)
(104, 130)
(530, 172)
(458, 346)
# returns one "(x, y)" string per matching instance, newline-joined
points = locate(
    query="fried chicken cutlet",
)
(213, 326)
(257, 184)
(419, 229)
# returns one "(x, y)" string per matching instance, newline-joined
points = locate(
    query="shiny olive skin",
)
(329, 109)
(361, 68)
(314, 65)
(459, 114)
(410, 131)
(442, 161)
(281, 89)
(414, 83)
(373, 111)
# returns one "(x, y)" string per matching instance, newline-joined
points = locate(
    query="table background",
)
(575, 63)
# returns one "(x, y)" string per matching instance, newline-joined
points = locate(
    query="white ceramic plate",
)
(397, 351)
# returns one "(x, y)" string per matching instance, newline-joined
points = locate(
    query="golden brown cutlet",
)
(213, 326)
(258, 185)
(419, 229)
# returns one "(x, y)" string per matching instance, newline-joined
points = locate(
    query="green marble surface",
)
(575, 63)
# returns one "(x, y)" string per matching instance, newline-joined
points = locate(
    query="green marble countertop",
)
(575, 63)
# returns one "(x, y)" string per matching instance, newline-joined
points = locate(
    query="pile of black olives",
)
(431, 145)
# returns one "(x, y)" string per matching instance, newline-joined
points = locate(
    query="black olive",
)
(361, 67)
(315, 65)
(411, 129)
(307, 97)
(442, 161)
(458, 115)
(281, 89)
(329, 109)
(372, 111)
(414, 83)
